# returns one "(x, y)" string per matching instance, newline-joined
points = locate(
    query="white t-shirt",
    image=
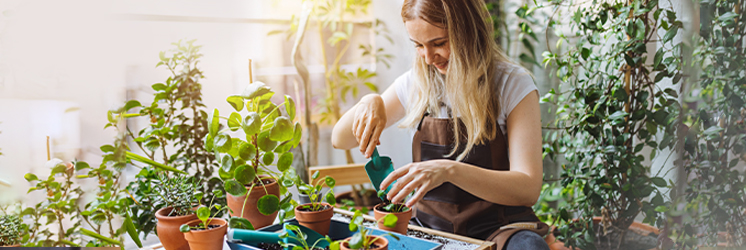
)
(515, 83)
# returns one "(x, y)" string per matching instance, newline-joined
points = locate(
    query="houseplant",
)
(316, 215)
(385, 208)
(610, 108)
(362, 238)
(301, 237)
(12, 230)
(206, 232)
(253, 188)
(714, 132)
(178, 197)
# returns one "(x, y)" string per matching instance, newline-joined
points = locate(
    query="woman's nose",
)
(428, 54)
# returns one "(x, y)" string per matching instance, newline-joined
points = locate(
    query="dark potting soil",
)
(264, 181)
(306, 209)
(275, 246)
(208, 227)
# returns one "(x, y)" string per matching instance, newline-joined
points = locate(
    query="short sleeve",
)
(403, 85)
(516, 86)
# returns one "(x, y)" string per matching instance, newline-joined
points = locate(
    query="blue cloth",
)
(525, 240)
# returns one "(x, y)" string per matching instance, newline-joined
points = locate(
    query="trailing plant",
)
(360, 239)
(315, 192)
(12, 230)
(301, 237)
(714, 134)
(203, 213)
(609, 109)
(267, 133)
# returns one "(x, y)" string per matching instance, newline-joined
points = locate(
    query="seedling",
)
(360, 239)
(203, 213)
(301, 238)
(391, 207)
(314, 192)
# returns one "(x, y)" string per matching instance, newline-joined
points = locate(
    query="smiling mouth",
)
(441, 65)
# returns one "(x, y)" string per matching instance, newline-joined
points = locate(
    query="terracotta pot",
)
(401, 223)
(348, 196)
(211, 239)
(382, 243)
(16, 245)
(250, 211)
(319, 221)
(168, 229)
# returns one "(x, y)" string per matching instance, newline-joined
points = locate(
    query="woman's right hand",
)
(369, 120)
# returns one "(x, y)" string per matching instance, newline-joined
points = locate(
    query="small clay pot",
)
(210, 239)
(401, 223)
(250, 211)
(319, 221)
(168, 229)
(382, 243)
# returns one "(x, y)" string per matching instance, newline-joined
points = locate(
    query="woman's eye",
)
(418, 45)
(440, 44)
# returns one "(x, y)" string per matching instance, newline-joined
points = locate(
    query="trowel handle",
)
(252, 236)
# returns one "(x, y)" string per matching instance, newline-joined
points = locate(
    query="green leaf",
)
(234, 188)
(356, 241)
(290, 107)
(223, 143)
(255, 89)
(330, 181)
(100, 237)
(131, 104)
(132, 231)
(236, 101)
(240, 223)
(298, 132)
(268, 204)
(618, 115)
(234, 121)
(390, 220)
(658, 58)
(252, 123)
(203, 213)
(670, 34)
(268, 158)
(81, 165)
(661, 209)
(214, 120)
(282, 130)
(315, 175)
(264, 143)
(247, 151)
(285, 161)
(727, 17)
(30, 177)
(184, 228)
(158, 87)
(227, 163)
(59, 168)
(658, 181)
(329, 197)
(245, 174)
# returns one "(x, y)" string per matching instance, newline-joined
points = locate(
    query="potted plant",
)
(316, 215)
(254, 190)
(385, 208)
(362, 238)
(610, 108)
(206, 232)
(301, 239)
(180, 197)
(12, 230)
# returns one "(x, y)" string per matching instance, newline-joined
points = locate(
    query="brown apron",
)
(449, 208)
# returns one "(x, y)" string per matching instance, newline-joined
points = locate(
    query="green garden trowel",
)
(253, 237)
(378, 168)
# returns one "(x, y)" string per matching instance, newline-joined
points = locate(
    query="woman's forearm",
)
(511, 188)
(342, 137)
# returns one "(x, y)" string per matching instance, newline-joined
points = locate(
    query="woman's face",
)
(431, 43)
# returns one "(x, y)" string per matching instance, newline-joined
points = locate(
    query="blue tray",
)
(340, 230)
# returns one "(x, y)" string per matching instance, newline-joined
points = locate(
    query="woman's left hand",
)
(417, 176)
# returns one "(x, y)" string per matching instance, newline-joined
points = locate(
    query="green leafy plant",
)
(203, 213)
(609, 109)
(391, 207)
(714, 131)
(12, 230)
(302, 239)
(360, 239)
(268, 133)
(180, 192)
(314, 192)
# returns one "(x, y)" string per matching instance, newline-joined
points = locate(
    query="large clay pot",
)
(168, 229)
(401, 223)
(211, 239)
(319, 221)
(382, 243)
(250, 211)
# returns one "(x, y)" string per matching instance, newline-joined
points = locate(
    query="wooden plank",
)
(342, 174)
(483, 245)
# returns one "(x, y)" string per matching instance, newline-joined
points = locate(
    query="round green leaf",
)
(390, 220)
(31, 177)
(356, 241)
(227, 163)
(255, 89)
(252, 123)
(330, 198)
(236, 102)
(234, 188)
(285, 161)
(214, 120)
(264, 143)
(245, 174)
(184, 228)
(209, 142)
(203, 213)
(330, 181)
(225, 175)
(234, 121)
(81, 165)
(247, 151)
(240, 223)
(223, 143)
(290, 106)
(297, 134)
(268, 158)
(268, 204)
(282, 130)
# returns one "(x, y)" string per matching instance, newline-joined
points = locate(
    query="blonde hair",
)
(471, 94)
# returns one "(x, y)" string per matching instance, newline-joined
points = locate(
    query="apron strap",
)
(419, 125)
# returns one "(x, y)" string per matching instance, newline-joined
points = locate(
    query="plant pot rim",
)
(213, 221)
(162, 214)
(339, 196)
(382, 239)
(376, 209)
(327, 205)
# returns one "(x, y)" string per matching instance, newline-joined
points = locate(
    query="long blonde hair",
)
(471, 93)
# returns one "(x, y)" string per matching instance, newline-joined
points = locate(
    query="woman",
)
(462, 184)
